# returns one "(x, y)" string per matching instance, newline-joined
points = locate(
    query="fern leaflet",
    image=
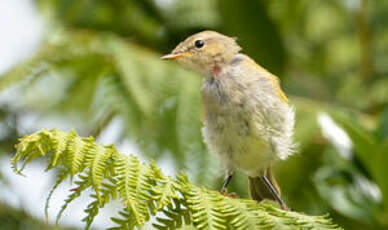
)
(146, 191)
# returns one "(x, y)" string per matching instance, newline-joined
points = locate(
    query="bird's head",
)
(205, 52)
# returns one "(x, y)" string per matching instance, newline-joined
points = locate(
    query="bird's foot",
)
(284, 207)
(224, 192)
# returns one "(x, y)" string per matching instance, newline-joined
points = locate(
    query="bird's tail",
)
(258, 189)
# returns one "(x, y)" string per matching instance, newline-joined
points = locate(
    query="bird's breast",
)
(228, 130)
(224, 105)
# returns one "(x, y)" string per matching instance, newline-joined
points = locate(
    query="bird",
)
(248, 121)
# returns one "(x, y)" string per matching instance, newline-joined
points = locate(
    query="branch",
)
(366, 65)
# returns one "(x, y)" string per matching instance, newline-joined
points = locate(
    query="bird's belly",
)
(252, 156)
(230, 137)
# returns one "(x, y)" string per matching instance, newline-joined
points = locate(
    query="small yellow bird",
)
(248, 122)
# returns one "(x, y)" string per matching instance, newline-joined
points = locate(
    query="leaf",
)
(363, 142)
(134, 180)
(380, 158)
(339, 188)
(142, 186)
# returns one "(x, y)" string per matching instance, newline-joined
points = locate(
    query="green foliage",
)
(158, 102)
(369, 150)
(145, 190)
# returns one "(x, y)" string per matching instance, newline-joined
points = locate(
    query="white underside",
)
(246, 153)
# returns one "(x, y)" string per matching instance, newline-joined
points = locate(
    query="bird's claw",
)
(284, 207)
(224, 192)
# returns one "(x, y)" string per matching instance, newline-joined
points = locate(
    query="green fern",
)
(116, 78)
(146, 191)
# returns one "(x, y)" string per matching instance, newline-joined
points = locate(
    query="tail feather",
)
(258, 189)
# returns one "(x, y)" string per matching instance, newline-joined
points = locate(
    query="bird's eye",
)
(199, 44)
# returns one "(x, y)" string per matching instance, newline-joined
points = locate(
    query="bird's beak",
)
(173, 56)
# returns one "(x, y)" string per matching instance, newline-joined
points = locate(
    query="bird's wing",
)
(276, 84)
(270, 120)
(256, 69)
(274, 80)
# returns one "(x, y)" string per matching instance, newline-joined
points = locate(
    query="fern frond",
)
(206, 207)
(77, 149)
(60, 142)
(82, 185)
(99, 74)
(31, 147)
(176, 216)
(97, 163)
(107, 192)
(62, 175)
(243, 214)
(145, 190)
(125, 222)
(146, 83)
(165, 192)
(134, 180)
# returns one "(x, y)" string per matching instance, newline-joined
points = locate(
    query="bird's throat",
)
(216, 70)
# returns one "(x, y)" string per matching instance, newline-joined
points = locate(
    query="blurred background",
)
(94, 66)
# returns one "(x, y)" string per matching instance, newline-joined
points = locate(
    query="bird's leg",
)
(226, 182)
(274, 192)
